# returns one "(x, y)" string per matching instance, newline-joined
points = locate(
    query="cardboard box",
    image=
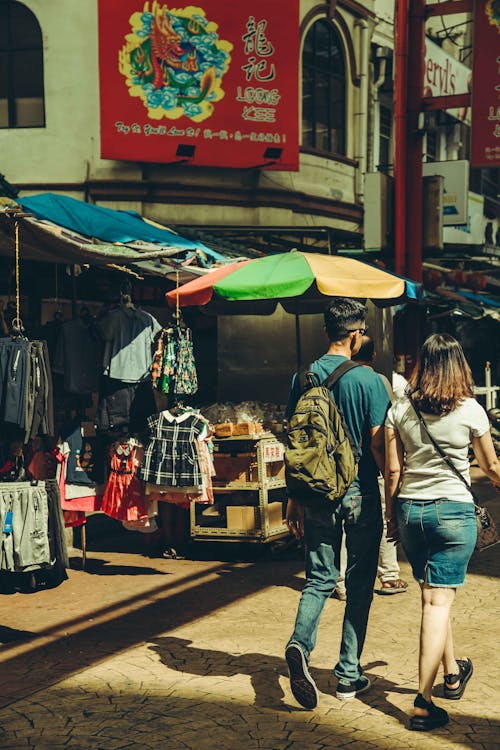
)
(229, 469)
(247, 428)
(241, 517)
(275, 511)
(224, 429)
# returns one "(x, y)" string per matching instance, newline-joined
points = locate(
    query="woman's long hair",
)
(442, 377)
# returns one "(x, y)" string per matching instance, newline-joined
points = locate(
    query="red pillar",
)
(400, 104)
(414, 178)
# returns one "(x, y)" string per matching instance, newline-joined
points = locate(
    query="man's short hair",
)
(342, 316)
(366, 350)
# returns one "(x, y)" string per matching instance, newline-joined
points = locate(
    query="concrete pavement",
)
(138, 653)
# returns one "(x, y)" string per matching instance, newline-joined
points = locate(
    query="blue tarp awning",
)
(106, 224)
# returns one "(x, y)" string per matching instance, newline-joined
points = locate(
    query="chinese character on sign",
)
(259, 48)
(255, 39)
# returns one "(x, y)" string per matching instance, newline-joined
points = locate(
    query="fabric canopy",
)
(300, 281)
(106, 224)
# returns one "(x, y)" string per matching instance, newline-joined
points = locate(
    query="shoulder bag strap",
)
(443, 455)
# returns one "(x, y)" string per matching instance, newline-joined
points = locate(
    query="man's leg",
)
(388, 566)
(322, 536)
(363, 529)
(339, 591)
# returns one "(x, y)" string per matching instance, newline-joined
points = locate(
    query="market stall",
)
(92, 412)
(249, 487)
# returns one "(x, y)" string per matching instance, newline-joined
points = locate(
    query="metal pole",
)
(400, 103)
(298, 347)
(487, 383)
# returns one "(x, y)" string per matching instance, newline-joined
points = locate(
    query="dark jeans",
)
(360, 516)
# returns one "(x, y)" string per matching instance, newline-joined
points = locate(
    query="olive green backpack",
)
(321, 460)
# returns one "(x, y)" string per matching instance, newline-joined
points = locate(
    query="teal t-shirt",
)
(363, 400)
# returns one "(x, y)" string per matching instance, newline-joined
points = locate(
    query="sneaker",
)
(302, 684)
(353, 689)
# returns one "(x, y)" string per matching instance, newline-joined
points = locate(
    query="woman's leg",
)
(436, 605)
(450, 665)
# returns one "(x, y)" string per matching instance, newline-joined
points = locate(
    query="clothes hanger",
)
(178, 408)
(126, 295)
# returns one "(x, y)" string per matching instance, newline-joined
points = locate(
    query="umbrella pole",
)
(298, 348)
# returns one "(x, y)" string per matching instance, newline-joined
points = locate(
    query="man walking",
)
(361, 397)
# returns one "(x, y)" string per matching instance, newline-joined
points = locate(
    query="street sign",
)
(444, 75)
(485, 136)
(215, 85)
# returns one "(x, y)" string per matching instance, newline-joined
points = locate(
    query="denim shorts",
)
(438, 537)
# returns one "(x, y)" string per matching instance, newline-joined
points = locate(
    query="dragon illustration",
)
(178, 55)
(493, 13)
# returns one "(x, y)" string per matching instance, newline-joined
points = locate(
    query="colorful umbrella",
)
(300, 281)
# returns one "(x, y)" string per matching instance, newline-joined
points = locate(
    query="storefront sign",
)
(471, 233)
(456, 187)
(445, 76)
(215, 85)
(485, 137)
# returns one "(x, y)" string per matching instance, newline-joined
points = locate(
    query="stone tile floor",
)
(138, 653)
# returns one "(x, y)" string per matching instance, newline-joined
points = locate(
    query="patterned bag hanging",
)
(186, 381)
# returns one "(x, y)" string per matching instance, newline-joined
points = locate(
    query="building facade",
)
(49, 127)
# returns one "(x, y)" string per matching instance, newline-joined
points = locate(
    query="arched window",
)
(21, 67)
(323, 89)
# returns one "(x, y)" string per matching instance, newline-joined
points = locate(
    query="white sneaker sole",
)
(353, 694)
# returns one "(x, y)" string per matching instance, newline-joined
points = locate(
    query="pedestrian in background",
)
(388, 571)
(429, 509)
(363, 401)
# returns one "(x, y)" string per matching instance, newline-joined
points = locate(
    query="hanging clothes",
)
(186, 380)
(26, 398)
(124, 406)
(170, 456)
(174, 368)
(79, 356)
(128, 334)
(123, 497)
(184, 496)
(75, 497)
(85, 463)
(32, 530)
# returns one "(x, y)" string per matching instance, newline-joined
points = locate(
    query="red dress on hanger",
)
(123, 497)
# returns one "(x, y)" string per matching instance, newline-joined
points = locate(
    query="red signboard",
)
(485, 137)
(214, 85)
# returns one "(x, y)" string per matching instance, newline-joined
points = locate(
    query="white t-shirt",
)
(425, 474)
(399, 384)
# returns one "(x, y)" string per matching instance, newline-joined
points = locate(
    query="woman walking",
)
(430, 510)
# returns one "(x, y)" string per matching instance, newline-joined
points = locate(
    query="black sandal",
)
(436, 717)
(466, 670)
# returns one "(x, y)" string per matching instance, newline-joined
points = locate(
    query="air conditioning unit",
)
(433, 198)
(378, 211)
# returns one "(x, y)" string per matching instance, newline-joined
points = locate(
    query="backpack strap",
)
(334, 376)
(307, 378)
(329, 382)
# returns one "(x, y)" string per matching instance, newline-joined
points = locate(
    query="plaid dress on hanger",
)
(170, 457)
